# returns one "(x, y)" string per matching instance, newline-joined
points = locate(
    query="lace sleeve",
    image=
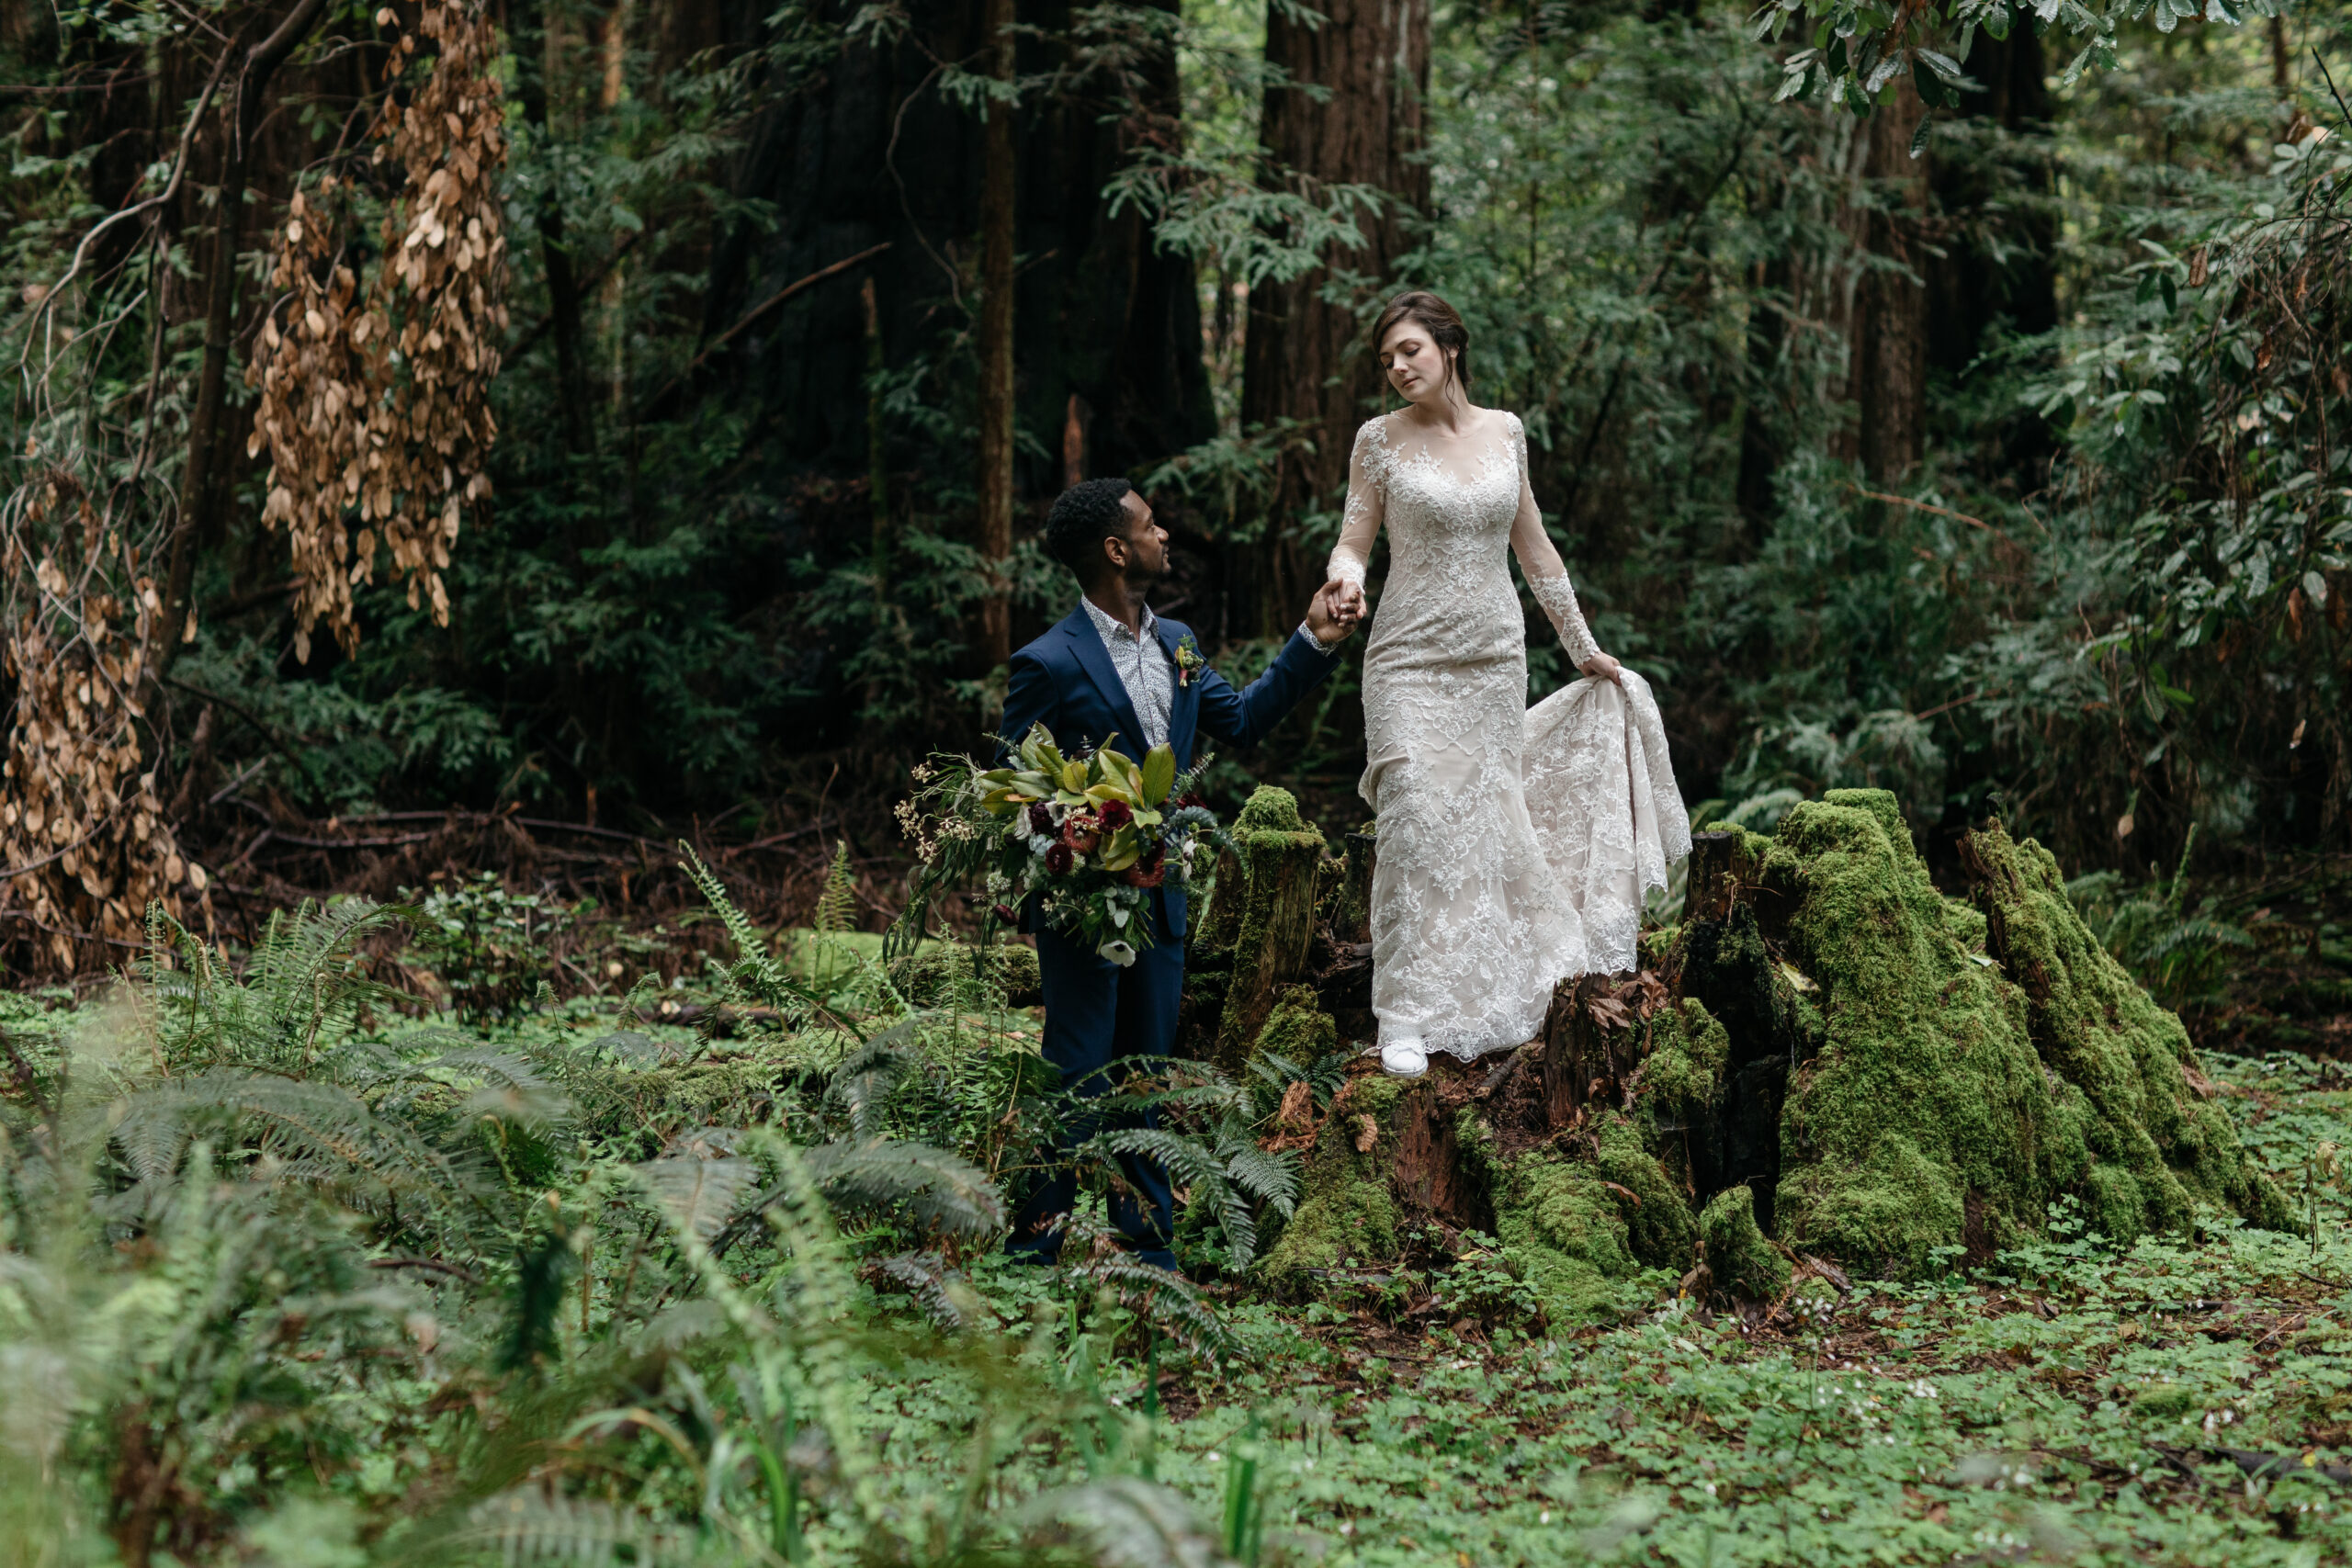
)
(1360, 525)
(1539, 558)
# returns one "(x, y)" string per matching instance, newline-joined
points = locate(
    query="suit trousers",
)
(1103, 1021)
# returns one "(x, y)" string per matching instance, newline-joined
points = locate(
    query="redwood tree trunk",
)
(1887, 331)
(996, 345)
(1305, 358)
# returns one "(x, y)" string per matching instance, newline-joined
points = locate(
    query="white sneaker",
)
(1404, 1059)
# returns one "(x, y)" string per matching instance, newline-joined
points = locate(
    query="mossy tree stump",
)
(1260, 927)
(1833, 1064)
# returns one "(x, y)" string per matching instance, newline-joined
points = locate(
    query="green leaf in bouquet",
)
(1159, 775)
(1073, 777)
(1121, 850)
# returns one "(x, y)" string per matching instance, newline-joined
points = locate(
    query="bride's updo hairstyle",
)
(1439, 320)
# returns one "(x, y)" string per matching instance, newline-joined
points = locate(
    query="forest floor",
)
(2175, 1401)
(2182, 1401)
(2185, 1400)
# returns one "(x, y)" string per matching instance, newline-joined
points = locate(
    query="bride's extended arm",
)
(1360, 525)
(1547, 575)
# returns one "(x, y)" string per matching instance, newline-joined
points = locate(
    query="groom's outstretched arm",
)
(1240, 718)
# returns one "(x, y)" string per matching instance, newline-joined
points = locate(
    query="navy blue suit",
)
(1096, 1012)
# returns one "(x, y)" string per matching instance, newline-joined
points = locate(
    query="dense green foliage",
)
(286, 1280)
(2106, 596)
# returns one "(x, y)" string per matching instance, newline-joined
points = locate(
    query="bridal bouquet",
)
(1091, 835)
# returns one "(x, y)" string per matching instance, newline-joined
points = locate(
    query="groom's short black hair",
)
(1083, 517)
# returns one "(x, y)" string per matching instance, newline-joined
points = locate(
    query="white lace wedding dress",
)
(1516, 844)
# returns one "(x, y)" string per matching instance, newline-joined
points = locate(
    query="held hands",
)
(1601, 667)
(1332, 615)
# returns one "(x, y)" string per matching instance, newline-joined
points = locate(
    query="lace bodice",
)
(1449, 512)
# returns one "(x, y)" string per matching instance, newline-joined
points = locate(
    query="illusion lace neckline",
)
(1490, 447)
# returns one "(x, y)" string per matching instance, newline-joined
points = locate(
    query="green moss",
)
(1297, 1029)
(2094, 1026)
(1743, 1262)
(1276, 864)
(1687, 1053)
(1270, 809)
(1660, 1227)
(1346, 1209)
(1562, 1226)
(1925, 1089)
(2166, 1401)
(1945, 1099)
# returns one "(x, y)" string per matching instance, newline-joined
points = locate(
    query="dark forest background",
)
(2004, 476)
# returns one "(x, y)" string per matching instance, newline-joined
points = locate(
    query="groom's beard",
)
(1139, 583)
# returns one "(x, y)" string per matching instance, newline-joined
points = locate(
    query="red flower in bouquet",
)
(1115, 815)
(1148, 872)
(1189, 798)
(1041, 819)
(1080, 832)
(1058, 859)
(1007, 915)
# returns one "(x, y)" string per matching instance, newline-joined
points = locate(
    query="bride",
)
(1516, 844)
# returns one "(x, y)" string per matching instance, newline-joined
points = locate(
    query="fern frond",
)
(837, 905)
(1272, 1179)
(936, 1188)
(925, 1276)
(1125, 1522)
(527, 1525)
(1186, 1159)
(868, 1073)
(1172, 1301)
(699, 1195)
(756, 977)
(294, 1119)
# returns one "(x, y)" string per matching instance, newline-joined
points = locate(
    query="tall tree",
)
(204, 488)
(1884, 310)
(997, 230)
(1304, 359)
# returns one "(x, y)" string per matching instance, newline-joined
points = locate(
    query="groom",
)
(1111, 669)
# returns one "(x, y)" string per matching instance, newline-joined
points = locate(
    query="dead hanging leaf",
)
(344, 416)
(2123, 826)
(2297, 738)
(79, 825)
(1298, 1106)
(1367, 1134)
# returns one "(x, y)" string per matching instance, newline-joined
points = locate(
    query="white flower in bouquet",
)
(1118, 953)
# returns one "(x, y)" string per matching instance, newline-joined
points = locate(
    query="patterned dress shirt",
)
(1145, 670)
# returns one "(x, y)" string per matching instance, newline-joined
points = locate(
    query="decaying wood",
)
(1278, 908)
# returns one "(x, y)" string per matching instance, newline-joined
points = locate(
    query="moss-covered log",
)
(1833, 1064)
(1260, 925)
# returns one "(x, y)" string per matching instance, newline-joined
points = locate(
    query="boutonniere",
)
(1188, 659)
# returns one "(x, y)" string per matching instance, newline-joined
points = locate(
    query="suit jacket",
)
(1065, 681)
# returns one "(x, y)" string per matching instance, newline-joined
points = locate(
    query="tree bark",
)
(1886, 330)
(996, 225)
(1997, 236)
(203, 482)
(565, 322)
(1304, 359)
